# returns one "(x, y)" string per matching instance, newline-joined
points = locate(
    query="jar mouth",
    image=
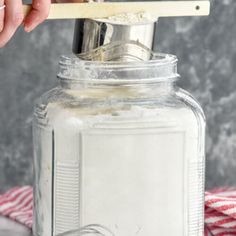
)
(162, 67)
(158, 59)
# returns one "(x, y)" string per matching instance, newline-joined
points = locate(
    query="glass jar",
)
(119, 150)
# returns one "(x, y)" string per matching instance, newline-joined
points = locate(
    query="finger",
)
(13, 18)
(2, 13)
(39, 12)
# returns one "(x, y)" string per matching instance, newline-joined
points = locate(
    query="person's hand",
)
(11, 17)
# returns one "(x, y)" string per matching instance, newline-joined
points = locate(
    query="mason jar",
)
(119, 150)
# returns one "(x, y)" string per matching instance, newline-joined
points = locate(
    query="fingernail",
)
(28, 28)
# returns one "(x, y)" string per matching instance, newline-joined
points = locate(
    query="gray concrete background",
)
(206, 47)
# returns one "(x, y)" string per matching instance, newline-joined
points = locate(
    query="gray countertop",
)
(11, 228)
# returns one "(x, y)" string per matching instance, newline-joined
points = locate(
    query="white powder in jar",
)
(128, 172)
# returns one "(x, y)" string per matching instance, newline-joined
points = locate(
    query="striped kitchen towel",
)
(220, 212)
(17, 204)
(220, 209)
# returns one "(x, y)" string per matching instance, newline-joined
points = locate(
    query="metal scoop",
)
(107, 40)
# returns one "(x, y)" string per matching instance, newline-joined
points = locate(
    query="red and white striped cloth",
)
(220, 206)
(220, 212)
(17, 204)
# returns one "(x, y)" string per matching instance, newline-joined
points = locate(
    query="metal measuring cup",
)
(109, 40)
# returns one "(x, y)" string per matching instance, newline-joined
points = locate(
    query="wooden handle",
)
(106, 9)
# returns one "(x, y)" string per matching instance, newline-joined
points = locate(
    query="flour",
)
(123, 169)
